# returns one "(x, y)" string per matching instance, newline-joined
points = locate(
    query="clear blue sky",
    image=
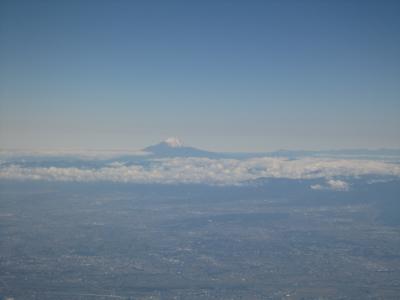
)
(221, 75)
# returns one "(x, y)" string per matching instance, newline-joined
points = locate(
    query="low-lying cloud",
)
(332, 184)
(210, 171)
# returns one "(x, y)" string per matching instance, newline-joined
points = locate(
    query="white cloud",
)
(210, 171)
(338, 185)
(332, 184)
(317, 187)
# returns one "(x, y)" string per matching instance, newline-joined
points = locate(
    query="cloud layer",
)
(210, 171)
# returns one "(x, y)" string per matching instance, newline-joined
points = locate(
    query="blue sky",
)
(221, 75)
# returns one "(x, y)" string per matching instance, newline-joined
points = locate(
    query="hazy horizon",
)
(138, 150)
(223, 76)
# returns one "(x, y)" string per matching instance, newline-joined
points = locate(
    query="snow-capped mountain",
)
(173, 142)
(172, 147)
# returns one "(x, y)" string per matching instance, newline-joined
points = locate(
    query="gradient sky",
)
(221, 75)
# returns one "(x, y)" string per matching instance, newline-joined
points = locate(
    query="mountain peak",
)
(173, 147)
(173, 142)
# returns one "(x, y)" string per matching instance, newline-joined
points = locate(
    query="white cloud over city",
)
(332, 184)
(209, 171)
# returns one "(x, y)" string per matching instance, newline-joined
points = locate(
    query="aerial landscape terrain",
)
(200, 150)
(212, 236)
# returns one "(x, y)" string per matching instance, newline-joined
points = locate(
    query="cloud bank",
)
(210, 171)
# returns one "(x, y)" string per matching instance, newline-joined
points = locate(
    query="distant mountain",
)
(173, 147)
